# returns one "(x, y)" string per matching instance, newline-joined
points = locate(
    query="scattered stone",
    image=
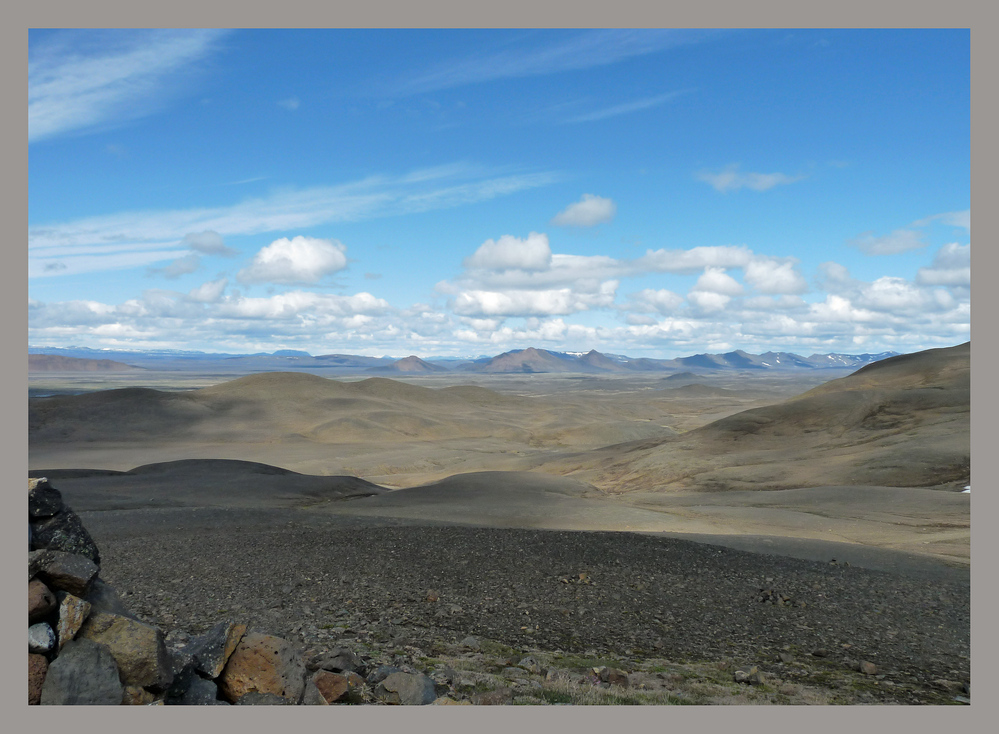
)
(256, 698)
(104, 598)
(84, 673)
(37, 667)
(41, 601)
(785, 657)
(137, 696)
(382, 672)
(751, 675)
(531, 665)
(138, 649)
(200, 692)
(210, 651)
(339, 660)
(868, 668)
(470, 642)
(614, 676)
(37, 560)
(499, 697)
(312, 696)
(73, 613)
(408, 689)
(264, 664)
(65, 532)
(951, 686)
(446, 701)
(820, 652)
(70, 572)
(332, 686)
(41, 638)
(44, 500)
(433, 595)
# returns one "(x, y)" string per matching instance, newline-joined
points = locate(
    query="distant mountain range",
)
(517, 361)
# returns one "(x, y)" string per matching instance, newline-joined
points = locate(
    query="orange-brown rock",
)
(138, 649)
(38, 666)
(333, 686)
(263, 664)
(73, 613)
(137, 696)
(41, 601)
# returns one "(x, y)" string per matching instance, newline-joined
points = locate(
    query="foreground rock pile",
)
(85, 647)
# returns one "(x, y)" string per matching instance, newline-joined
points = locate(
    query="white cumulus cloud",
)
(560, 301)
(775, 276)
(589, 211)
(209, 292)
(951, 267)
(708, 301)
(716, 280)
(295, 261)
(660, 300)
(509, 252)
(694, 259)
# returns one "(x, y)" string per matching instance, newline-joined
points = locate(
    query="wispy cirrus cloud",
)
(567, 51)
(954, 219)
(128, 238)
(731, 178)
(86, 79)
(627, 107)
(898, 241)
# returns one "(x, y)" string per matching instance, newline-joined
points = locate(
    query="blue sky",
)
(394, 192)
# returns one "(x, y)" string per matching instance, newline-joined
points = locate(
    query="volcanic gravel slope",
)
(315, 579)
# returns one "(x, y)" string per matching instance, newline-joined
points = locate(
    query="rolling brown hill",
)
(270, 406)
(411, 364)
(904, 421)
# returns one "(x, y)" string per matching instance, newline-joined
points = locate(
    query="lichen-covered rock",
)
(263, 664)
(138, 649)
(407, 689)
(73, 613)
(65, 532)
(70, 572)
(41, 601)
(84, 673)
(44, 500)
(37, 560)
(499, 697)
(37, 668)
(211, 651)
(256, 698)
(41, 638)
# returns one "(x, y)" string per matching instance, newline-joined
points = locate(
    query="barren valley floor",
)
(547, 471)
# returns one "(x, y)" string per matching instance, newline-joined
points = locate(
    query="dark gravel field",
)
(321, 579)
